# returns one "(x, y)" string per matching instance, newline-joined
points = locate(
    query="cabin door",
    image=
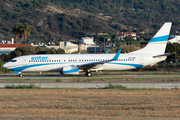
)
(24, 61)
(141, 60)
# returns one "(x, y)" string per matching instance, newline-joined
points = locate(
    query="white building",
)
(67, 46)
(2, 41)
(121, 36)
(88, 41)
(174, 39)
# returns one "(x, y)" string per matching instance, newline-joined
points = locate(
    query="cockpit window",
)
(14, 60)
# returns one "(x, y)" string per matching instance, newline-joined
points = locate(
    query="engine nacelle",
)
(70, 70)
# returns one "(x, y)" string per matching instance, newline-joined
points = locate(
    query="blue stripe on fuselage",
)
(160, 39)
(21, 68)
(128, 64)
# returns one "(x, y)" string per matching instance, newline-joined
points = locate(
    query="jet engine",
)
(70, 70)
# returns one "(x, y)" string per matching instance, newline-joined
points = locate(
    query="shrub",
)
(31, 86)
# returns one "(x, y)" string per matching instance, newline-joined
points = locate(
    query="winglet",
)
(107, 52)
(116, 56)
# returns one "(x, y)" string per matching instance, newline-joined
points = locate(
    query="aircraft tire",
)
(20, 75)
(89, 74)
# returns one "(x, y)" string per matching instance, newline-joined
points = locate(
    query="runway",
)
(13, 76)
(92, 84)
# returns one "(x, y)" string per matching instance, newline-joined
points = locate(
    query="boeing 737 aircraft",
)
(73, 64)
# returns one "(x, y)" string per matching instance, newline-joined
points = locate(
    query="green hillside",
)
(71, 19)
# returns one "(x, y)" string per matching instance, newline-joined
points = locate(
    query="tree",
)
(56, 43)
(129, 38)
(16, 31)
(60, 51)
(23, 50)
(22, 31)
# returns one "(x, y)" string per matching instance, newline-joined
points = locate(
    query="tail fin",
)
(157, 44)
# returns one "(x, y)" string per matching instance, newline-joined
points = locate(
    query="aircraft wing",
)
(165, 54)
(98, 64)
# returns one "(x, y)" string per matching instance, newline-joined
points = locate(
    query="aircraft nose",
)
(5, 65)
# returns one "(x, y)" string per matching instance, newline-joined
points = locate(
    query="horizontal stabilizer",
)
(166, 54)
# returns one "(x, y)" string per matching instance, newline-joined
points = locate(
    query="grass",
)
(111, 86)
(120, 87)
(89, 104)
(31, 86)
(98, 79)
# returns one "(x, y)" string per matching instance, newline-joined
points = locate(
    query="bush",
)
(111, 86)
(59, 80)
(2, 69)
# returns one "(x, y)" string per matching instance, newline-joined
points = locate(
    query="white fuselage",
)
(55, 62)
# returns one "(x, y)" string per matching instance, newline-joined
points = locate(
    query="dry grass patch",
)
(89, 103)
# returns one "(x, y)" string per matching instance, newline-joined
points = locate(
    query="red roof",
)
(170, 38)
(13, 45)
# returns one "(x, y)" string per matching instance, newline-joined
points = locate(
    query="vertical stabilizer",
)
(157, 44)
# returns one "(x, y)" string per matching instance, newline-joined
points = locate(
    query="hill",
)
(66, 19)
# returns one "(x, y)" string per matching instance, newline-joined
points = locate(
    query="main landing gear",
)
(88, 74)
(20, 75)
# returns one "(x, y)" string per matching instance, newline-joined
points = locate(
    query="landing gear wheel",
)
(88, 74)
(20, 75)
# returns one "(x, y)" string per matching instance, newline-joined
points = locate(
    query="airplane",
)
(73, 64)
